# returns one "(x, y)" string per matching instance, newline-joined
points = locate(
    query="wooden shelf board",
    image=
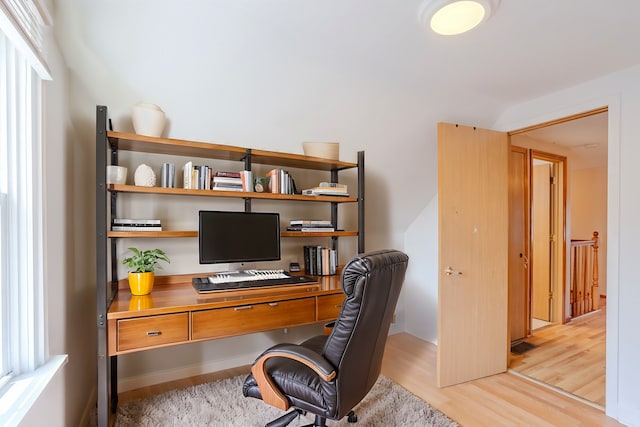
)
(233, 194)
(180, 147)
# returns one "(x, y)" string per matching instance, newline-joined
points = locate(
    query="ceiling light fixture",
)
(450, 17)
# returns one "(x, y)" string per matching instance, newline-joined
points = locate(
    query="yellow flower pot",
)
(140, 302)
(141, 283)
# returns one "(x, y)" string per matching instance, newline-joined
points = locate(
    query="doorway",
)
(585, 196)
(537, 230)
(548, 238)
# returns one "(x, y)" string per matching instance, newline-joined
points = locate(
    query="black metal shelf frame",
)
(107, 286)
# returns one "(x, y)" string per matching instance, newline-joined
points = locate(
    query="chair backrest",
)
(372, 284)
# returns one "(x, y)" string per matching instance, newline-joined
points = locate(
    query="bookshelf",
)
(176, 302)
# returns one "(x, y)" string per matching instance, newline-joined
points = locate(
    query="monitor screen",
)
(226, 236)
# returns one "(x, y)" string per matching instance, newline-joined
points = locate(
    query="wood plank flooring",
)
(570, 356)
(499, 400)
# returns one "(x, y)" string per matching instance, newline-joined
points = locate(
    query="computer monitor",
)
(227, 236)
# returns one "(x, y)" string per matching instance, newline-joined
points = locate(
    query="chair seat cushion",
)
(299, 383)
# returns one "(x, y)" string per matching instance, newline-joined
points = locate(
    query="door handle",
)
(449, 271)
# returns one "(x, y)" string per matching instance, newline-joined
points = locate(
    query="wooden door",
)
(542, 231)
(473, 221)
(519, 290)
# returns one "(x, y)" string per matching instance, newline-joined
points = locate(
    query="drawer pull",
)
(338, 306)
(154, 333)
(244, 307)
(273, 304)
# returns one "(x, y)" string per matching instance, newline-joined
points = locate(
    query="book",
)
(227, 180)
(227, 187)
(310, 222)
(129, 221)
(320, 261)
(136, 228)
(187, 172)
(311, 229)
(325, 191)
(246, 177)
(274, 179)
(227, 174)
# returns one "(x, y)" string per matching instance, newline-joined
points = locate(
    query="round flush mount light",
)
(450, 17)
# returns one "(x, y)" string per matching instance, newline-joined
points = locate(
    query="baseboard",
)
(159, 377)
(88, 415)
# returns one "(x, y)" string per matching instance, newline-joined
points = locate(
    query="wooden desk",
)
(174, 313)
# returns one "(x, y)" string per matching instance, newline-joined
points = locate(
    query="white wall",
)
(228, 79)
(588, 207)
(248, 77)
(421, 284)
(621, 92)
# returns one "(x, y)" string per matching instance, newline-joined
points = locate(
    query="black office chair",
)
(329, 375)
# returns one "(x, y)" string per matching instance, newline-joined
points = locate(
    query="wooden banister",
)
(584, 293)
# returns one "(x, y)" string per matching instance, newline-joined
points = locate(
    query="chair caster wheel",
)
(352, 417)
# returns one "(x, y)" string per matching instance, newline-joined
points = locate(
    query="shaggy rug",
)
(221, 403)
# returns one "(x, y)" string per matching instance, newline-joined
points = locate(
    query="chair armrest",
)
(268, 390)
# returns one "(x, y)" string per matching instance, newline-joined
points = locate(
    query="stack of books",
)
(327, 189)
(196, 177)
(320, 261)
(281, 182)
(227, 181)
(126, 224)
(202, 177)
(310, 225)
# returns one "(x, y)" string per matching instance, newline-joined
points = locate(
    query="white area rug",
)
(221, 403)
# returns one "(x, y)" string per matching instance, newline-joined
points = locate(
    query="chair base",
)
(287, 418)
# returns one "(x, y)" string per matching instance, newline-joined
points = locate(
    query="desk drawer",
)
(151, 331)
(245, 319)
(329, 306)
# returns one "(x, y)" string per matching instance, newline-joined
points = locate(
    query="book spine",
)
(319, 260)
(247, 180)
(307, 259)
(226, 174)
(274, 185)
(186, 175)
(134, 228)
(227, 180)
(125, 221)
(310, 229)
(310, 222)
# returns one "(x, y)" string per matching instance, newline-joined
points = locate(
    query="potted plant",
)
(142, 265)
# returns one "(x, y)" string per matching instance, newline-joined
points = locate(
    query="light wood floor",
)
(570, 356)
(499, 400)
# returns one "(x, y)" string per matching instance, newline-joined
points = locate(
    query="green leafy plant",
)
(145, 261)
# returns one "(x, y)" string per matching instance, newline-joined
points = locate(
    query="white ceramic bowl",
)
(116, 175)
(325, 150)
(148, 119)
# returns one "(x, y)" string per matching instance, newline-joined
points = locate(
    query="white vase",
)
(144, 176)
(148, 119)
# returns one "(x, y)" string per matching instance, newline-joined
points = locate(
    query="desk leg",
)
(114, 383)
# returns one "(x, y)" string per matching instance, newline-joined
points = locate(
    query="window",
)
(25, 366)
(21, 296)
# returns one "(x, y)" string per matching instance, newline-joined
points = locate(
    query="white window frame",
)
(25, 365)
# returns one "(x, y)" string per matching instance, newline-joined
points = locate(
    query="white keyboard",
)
(247, 276)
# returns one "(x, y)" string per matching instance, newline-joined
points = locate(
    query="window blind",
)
(23, 22)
